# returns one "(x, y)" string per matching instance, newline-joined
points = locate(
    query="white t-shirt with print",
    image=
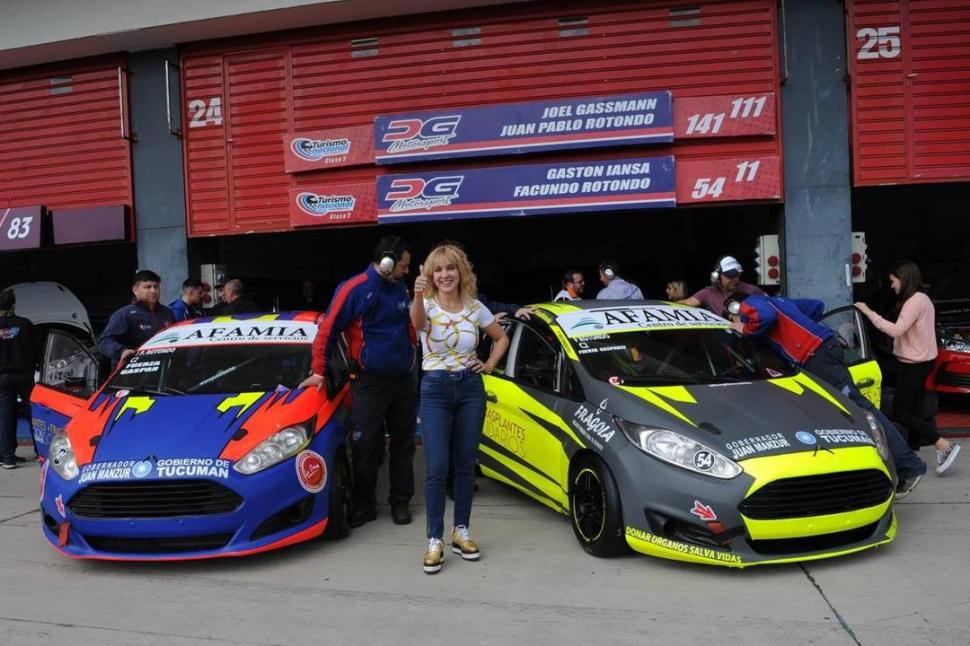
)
(449, 340)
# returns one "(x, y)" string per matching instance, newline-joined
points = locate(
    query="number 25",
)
(887, 38)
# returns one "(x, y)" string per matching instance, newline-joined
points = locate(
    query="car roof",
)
(249, 329)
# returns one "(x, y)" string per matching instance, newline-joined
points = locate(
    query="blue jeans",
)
(452, 415)
(828, 364)
(908, 463)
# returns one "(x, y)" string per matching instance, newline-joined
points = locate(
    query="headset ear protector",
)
(717, 269)
(387, 262)
(608, 272)
(732, 307)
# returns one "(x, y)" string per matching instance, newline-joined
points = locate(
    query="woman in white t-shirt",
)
(449, 319)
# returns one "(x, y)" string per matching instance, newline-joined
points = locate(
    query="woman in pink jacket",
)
(914, 346)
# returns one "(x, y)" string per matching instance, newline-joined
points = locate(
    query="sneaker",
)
(907, 485)
(945, 458)
(434, 556)
(8, 465)
(400, 513)
(463, 545)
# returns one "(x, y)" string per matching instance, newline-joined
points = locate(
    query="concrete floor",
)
(533, 585)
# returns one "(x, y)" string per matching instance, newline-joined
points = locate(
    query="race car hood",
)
(749, 419)
(126, 426)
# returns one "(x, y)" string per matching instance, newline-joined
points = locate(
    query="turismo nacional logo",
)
(321, 205)
(316, 149)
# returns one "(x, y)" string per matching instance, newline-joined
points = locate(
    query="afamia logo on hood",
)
(246, 332)
(630, 319)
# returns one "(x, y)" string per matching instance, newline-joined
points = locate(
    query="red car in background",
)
(952, 371)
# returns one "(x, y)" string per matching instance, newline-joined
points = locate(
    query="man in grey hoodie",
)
(614, 287)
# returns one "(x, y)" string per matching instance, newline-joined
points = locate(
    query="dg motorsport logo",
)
(321, 205)
(405, 135)
(312, 150)
(413, 194)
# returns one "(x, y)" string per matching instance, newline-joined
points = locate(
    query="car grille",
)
(813, 543)
(163, 545)
(805, 496)
(154, 499)
(953, 379)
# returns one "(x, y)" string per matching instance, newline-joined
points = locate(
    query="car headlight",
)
(679, 451)
(954, 345)
(273, 450)
(879, 436)
(60, 453)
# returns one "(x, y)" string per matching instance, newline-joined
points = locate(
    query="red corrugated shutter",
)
(910, 90)
(64, 136)
(503, 54)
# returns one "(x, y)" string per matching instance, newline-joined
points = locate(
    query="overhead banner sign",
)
(512, 128)
(332, 204)
(90, 224)
(322, 149)
(635, 183)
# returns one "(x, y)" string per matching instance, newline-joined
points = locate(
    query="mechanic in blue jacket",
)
(371, 308)
(791, 327)
(133, 324)
(188, 305)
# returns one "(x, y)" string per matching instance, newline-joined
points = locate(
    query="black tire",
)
(341, 500)
(594, 504)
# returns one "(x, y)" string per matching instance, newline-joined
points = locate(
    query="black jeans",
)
(908, 401)
(10, 387)
(383, 402)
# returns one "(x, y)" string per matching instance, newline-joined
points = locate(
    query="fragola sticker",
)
(311, 471)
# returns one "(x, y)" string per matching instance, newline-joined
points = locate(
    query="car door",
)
(525, 443)
(68, 377)
(849, 324)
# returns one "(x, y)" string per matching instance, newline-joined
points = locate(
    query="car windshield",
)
(214, 369)
(675, 357)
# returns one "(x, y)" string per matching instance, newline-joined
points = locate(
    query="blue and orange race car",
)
(201, 445)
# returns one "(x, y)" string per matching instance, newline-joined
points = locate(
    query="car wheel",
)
(595, 508)
(341, 500)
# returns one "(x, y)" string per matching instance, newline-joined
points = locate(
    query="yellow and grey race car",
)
(656, 427)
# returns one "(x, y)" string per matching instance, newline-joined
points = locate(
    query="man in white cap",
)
(725, 280)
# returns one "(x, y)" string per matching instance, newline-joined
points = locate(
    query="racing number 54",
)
(713, 187)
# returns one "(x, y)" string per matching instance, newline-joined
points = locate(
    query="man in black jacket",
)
(236, 303)
(19, 355)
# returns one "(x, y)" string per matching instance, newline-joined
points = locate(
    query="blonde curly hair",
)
(447, 254)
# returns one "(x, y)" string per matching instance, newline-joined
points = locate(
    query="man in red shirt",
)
(725, 280)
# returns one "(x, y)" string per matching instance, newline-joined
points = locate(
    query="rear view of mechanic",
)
(791, 328)
(19, 356)
(133, 324)
(372, 309)
(615, 288)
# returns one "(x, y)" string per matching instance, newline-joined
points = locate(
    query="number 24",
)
(206, 113)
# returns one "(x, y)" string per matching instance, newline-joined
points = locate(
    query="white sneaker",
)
(945, 458)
